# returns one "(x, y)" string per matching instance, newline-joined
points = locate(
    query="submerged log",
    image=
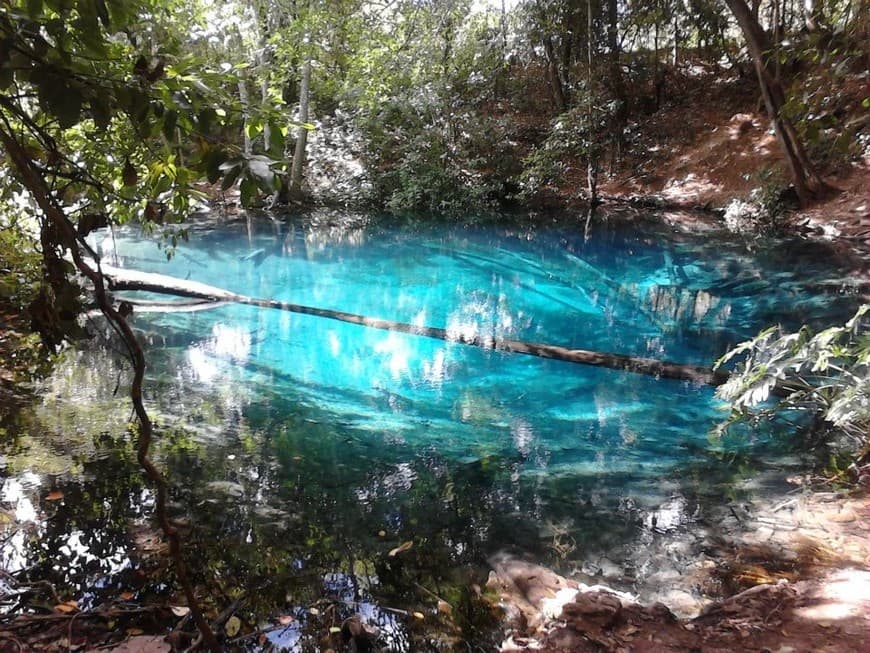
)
(122, 279)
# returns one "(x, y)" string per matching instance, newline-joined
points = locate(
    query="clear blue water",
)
(618, 290)
(303, 444)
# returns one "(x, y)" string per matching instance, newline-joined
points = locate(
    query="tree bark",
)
(556, 86)
(295, 187)
(620, 118)
(807, 183)
(592, 152)
(246, 112)
(122, 279)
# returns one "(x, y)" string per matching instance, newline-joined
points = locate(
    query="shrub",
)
(826, 374)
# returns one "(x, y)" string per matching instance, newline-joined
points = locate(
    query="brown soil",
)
(717, 147)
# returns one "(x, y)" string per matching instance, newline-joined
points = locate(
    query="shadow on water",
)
(324, 471)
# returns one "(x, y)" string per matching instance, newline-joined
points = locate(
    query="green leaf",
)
(231, 174)
(247, 191)
(88, 30)
(137, 105)
(276, 139)
(260, 170)
(61, 99)
(34, 8)
(121, 13)
(100, 112)
(7, 76)
(212, 162)
(253, 129)
(206, 119)
(170, 120)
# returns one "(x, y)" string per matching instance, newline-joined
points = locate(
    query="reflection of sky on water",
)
(24, 524)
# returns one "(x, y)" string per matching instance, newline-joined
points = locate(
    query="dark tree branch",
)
(55, 214)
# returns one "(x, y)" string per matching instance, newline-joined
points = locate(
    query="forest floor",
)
(716, 146)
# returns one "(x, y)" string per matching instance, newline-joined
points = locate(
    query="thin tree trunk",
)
(621, 115)
(556, 86)
(245, 102)
(806, 180)
(591, 154)
(35, 184)
(295, 188)
(122, 279)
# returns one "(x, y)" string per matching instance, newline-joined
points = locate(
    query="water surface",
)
(305, 449)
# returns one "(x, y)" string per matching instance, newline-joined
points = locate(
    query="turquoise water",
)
(621, 291)
(302, 446)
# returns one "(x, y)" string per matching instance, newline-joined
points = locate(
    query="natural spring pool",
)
(303, 450)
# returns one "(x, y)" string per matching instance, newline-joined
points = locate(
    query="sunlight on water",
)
(622, 291)
(288, 429)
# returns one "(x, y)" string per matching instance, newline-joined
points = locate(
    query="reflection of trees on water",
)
(285, 479)
(280, 493)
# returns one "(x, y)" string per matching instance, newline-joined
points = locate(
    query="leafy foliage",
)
(574, 136)
(826, 374)
(115, 123)
(820, 102)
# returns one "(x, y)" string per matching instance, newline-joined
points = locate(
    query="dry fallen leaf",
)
(404, 546)
(180, 610)
(126, 595)
(144, 644)
(233, 626)
(67, 606)
(55, 495)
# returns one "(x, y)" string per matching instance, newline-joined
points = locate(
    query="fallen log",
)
(123, 279)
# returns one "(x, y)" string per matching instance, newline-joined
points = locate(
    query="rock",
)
(596, 608)
(842, 517)
(682, 603)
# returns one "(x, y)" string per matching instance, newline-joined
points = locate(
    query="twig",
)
(13, 639)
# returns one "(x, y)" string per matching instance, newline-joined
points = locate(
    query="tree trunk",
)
(556, 86)
(807, 183)
(54, 214)
(245, 102)
(295, 188)
(592, 149)
(620, 117)
(814, 16)
(121, 279)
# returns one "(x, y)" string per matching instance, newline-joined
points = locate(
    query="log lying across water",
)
(122, 279)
